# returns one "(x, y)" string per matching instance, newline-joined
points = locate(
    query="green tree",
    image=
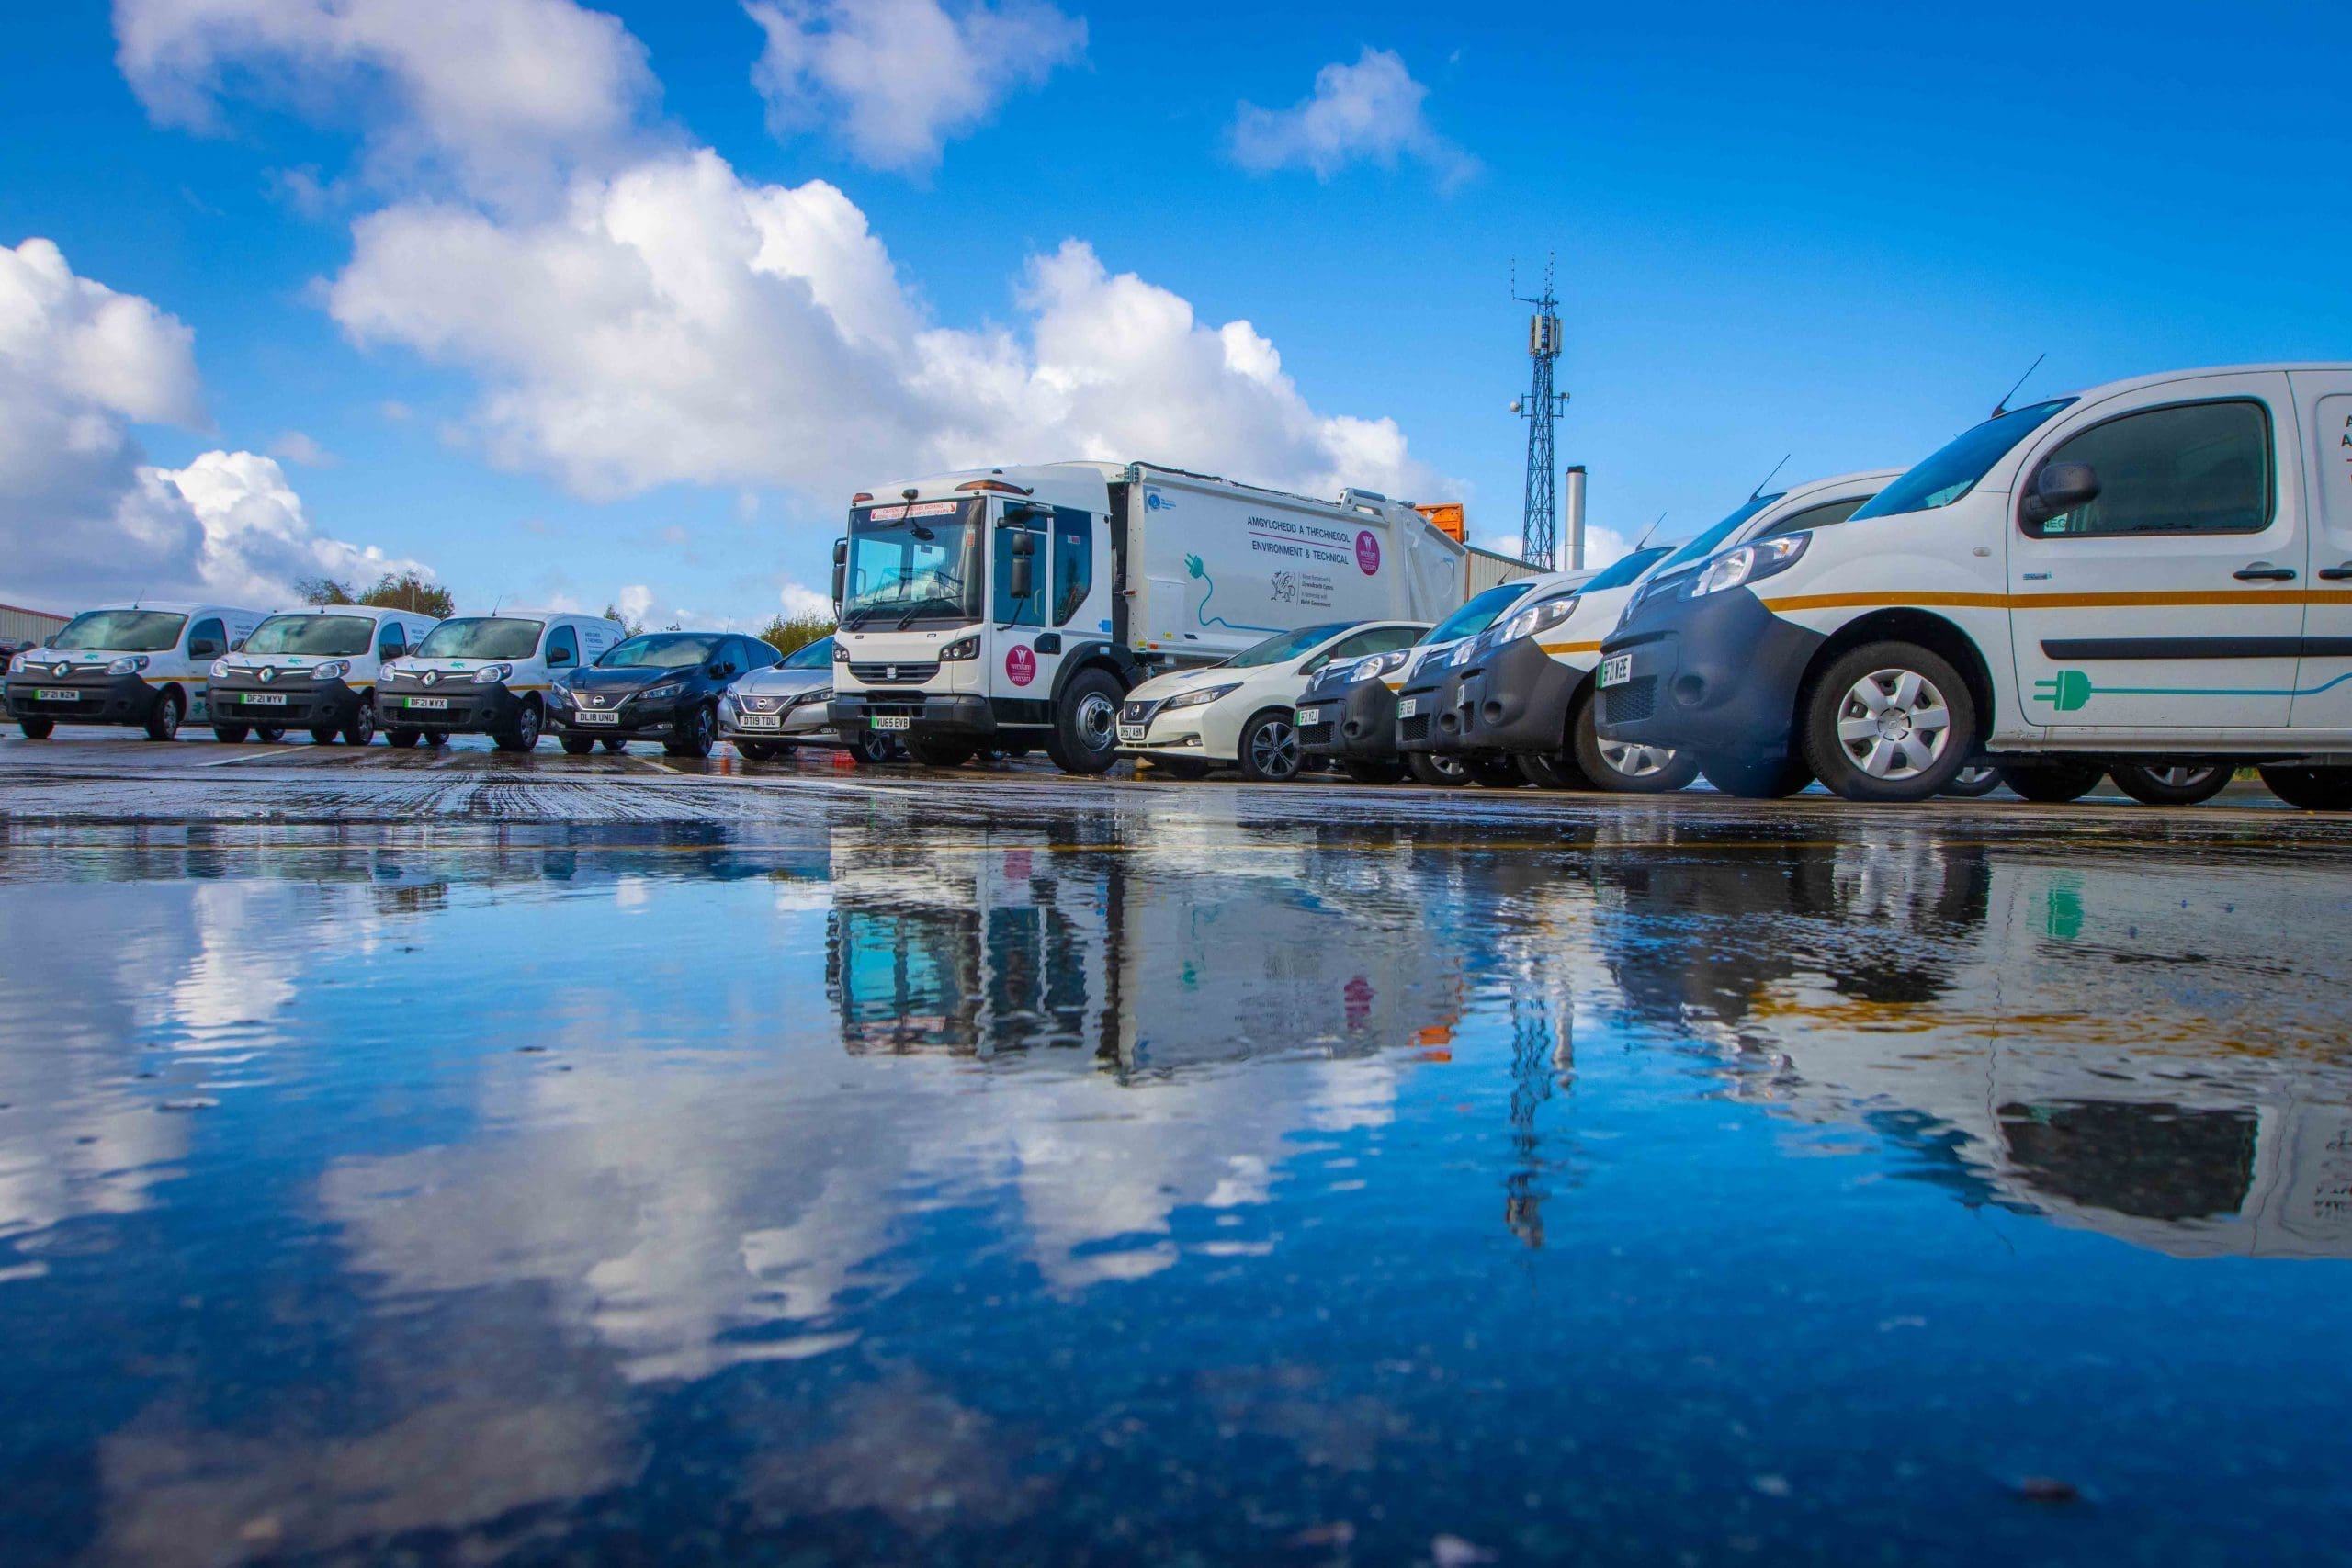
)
(790, 634)
(409, 591)
(324, 590)
(628, 627)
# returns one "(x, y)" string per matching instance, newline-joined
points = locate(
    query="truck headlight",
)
(1534, 618)
(492, 674)
(840, 651)
(220, 670)
(960, 650)
(1201, 698)
(1734, 569)
(129, 664)
(333, 669)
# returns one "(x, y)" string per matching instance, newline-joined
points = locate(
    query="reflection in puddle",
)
(1189, 1187)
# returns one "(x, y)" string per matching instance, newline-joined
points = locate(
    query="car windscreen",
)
(1626, 567)
(662, 650)
(1952, 472)
(1286, 645)
(815, 656)
(482, 636)
(121, 631)
(1477, 615)
(1711, 541)
(329, 636)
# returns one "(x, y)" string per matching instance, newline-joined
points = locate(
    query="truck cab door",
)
(2172, 600)
(1019, 671)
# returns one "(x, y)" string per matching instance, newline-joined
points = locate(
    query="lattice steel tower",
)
(1538, 528)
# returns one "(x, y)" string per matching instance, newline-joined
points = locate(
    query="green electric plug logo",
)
(2066, 691)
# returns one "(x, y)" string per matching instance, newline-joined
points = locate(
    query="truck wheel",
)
(1371, 773)
(38, 728)
(698, 734)
(934, 751)
(164, 723)
(1756, 778)
(524, 734)
(1085, 736)
(1975, 780)
(872, 749)
(231, 733)
(2052, 784)
(1182, 767)
(576, 745)
(1889, 721)
(1623, 767)
(2176, 784)
(402, 739)
(2313, 789)
(362, 727)
(1269, 749)
(1494, 773)
(1440, 772)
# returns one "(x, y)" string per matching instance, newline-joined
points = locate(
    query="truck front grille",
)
(1634, 700)
(916, 673)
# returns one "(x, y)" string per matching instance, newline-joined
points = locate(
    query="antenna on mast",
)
(2003, 406)
(1539, 526)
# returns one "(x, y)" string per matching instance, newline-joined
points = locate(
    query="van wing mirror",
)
(205, 648)
(2058, 488)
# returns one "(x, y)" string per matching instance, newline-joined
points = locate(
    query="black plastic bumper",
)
(104, 699)
(949, 712)
(472, 709)
(1418, 732)
(309, 704)
(1717, 675)
(1518, 701)
(1360, 725)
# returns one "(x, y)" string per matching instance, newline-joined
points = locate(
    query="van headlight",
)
(962, 650)
(129, 664)
(219, 670)
(1201, 698)
(1380, 664)
(333, 669)
(1534, 618)
(492, 674)
(1736, 569)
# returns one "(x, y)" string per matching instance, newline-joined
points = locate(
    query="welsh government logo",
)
(1367, 552)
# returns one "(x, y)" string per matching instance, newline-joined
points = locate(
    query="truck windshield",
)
(1286, 645)
(482, 636)
(1707, 543)
(1476, 616)
(1952, 472)
(334, 636)
(914, 562)
(662, 650)
(1626, 567)
(121, 631)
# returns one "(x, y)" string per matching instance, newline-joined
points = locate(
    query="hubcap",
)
(2180, 777)
(1096, 717)
(1273, 749)
(1634, 761)
(1894, 724)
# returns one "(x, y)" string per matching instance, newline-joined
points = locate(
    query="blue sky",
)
(1837, 232)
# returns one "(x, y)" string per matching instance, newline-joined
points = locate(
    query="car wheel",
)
(2171, 784)
(362, 727)
(613, 742)
(1269, 749)
(1494, 773)
(2052, 784)
(1440, 772)
(936, 752)
(576, 745)
(231, 733)
(1371, 773)
(699, 735)
(1889, 721)
(1181, 767)
(164, 724)
(1756, 778)
(1973, 781)
(402, 739)
(2313, 789)
(524, 736)
(1085, 736)
(756, 750)
(38, 728)
(1624, 767)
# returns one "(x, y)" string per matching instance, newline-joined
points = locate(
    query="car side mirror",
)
(2058, 488)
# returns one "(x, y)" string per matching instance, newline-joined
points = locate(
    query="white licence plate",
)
(262, 699)
(892, 721)
(1134, 732)
(584, 715)
(428, 703)
(1310, 716)
(1409, 707)
(1618, 670)
(46, 695)
(759, 721)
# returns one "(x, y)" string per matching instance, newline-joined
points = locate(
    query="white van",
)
(131, 664)
(487, 675)
(2152, 578)
(314, 669)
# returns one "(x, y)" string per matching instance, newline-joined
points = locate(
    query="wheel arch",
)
(1120, 663)
(1928, 630)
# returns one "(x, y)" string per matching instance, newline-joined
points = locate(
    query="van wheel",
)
(38, 728)
(269, 734)
(2171, 784)
(1494, 773)
(756, 750)
(402, 739)
(700, 734)
(1085, 736)
(1270, 748)
(164, 723)
(1181, 767)
(362, 727)
(1889, 721)
(935, 752)
(2313, 789)
(1552, 770)
(1366, 771)
(1973, 781)
(872, 749)
(576, 745)
(323, 736)
(2052, 784)
(524, 735)
(1623, 767)
(1439, 773)
(1756, 778)
(231, 733)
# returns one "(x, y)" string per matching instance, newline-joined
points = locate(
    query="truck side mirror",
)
(1024, 577)
(841, 569)
(2058, 488)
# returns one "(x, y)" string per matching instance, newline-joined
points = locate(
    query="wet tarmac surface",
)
(461, 1160)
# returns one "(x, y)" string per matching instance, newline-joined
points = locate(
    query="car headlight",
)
(1201, 698)
(655, 693)
(821, 695)
(1734, 569)
(961, 650)
(219, 669)
(1380, 664)
(1534, 618)
(492, 674)
(333, 669)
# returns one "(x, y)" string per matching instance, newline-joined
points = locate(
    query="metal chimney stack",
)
(1576, 517)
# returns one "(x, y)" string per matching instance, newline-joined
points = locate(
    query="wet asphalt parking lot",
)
(454, 1158)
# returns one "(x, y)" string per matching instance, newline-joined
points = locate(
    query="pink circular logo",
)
(1367, 553)
(1020, 664)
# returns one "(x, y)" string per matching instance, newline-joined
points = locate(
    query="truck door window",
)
(2185, 468)
(1073, 562)
(1012, 612)
(209, 640)
(564, 647)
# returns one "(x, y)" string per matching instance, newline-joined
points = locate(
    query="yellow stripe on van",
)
(1569, 647)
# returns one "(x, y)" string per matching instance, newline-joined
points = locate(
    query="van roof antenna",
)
(2003, 406)
(1767, 477)
(1648, 531)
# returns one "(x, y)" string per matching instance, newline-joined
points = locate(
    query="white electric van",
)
(487, 675)
(314, 669)
(142, 665)
(2153, 576)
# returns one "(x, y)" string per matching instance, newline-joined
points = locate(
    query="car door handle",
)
(2263, 571)
(2336, 573)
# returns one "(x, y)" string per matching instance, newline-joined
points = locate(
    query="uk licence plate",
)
(1618, 670)
(428, 701)
(1409, 707)
(892, 721)
(759, 721)
(46, 695)
(1310, 716)
(586, 716)
(263, 699)
(1134, 733)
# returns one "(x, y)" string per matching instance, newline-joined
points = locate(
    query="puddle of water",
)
(1080, 1187)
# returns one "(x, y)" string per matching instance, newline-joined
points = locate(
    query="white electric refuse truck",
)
(1015, 607)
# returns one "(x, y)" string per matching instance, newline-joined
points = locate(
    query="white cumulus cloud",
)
(257, 540)
(1372, 110)
(801, 603)
(896, 79)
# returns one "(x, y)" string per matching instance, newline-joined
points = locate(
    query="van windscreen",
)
(329, 636)
(1954, 471)
(482, 636)
(120, 631)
